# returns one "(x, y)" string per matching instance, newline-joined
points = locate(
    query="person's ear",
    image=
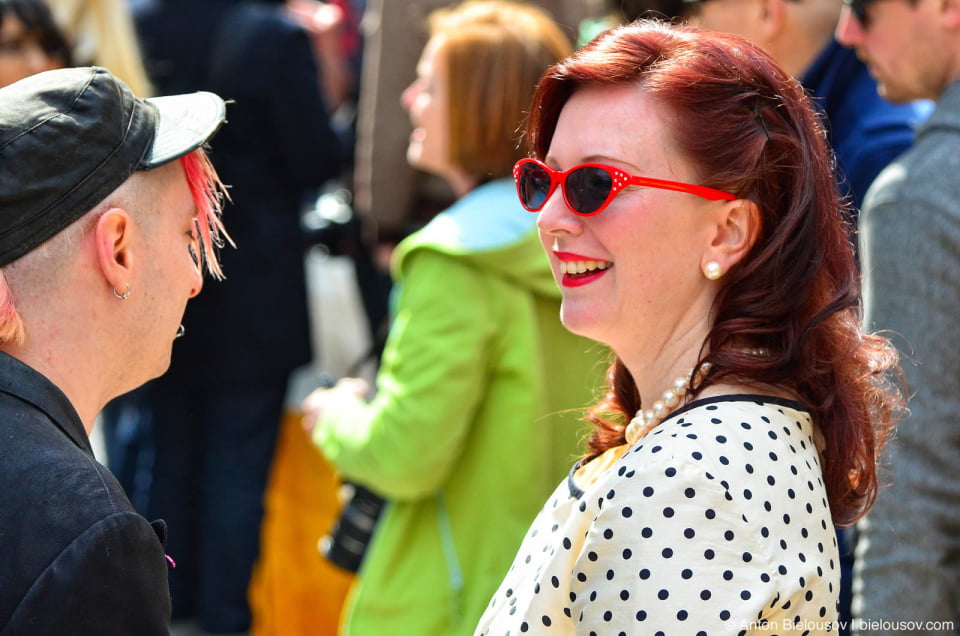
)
(773, 16)
(113, 238)
(735, 229)
(951, 14)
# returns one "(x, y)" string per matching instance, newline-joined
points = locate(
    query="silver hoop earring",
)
(712, 270)
(122, 296)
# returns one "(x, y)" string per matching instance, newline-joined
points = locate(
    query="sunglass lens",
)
(587, 189)
(534, 185)
(859, 10)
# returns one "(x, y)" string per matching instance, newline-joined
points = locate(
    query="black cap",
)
(70, 137)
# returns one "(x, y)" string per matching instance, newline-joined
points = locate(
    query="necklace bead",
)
(646, 420)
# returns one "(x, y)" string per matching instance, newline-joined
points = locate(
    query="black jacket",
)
(276, 149)
(76, 558)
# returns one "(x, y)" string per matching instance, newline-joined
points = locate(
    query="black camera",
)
(347, 542)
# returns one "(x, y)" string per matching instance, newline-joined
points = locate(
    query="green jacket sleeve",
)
(431, 381)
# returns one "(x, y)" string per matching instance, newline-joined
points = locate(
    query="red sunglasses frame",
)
(619, 181)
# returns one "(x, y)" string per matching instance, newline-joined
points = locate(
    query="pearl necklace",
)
(644, 421)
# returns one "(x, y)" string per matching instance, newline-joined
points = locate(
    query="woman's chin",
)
(414, 150)
(576, 320)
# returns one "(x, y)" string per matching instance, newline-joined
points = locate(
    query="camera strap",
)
(450, 555)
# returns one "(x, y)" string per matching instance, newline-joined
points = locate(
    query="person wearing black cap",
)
(109, 210)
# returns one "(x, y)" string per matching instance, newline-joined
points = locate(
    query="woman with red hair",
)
(687, 201)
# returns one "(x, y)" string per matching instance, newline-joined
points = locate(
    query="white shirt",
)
(716, 522)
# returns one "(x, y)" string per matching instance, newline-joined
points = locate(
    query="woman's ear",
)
(112, 237)
(736, 228)
(773, 15)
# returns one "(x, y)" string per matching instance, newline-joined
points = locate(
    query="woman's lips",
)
(577, 270)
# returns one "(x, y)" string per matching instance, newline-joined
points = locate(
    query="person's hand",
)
(318, 18)
(325, 24)
(317, 402)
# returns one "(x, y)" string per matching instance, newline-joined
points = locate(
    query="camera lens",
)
(347, 543)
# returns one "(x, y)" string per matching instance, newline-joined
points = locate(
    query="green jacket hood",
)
(489, 229)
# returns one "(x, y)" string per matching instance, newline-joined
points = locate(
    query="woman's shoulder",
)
(727, 439)
(748, 419)
(488, 218)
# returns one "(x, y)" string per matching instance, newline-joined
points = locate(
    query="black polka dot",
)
(759, 481)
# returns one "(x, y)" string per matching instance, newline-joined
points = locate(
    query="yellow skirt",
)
(294, 589)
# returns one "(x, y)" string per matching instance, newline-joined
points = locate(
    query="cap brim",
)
(186, 123)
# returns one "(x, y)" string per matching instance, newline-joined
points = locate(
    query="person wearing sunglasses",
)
(907, 565)
(480, 388)
(684, 193)
(865, 131)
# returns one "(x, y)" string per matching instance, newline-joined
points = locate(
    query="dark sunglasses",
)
(859, 10)
(589, 188)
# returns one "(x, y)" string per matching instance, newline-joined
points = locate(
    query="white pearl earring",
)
(712, 270)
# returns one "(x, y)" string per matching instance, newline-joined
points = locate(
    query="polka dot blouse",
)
(716, 522)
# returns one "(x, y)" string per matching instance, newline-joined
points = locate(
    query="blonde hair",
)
(102, 33)
(493, 53)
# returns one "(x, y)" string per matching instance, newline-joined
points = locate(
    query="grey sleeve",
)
(908, 556)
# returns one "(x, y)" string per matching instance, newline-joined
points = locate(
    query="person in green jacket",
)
(480, 392)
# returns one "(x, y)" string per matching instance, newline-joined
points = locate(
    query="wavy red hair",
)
(749, 128)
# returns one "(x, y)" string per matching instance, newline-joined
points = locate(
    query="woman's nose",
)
(408, 95)
(555, 217)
